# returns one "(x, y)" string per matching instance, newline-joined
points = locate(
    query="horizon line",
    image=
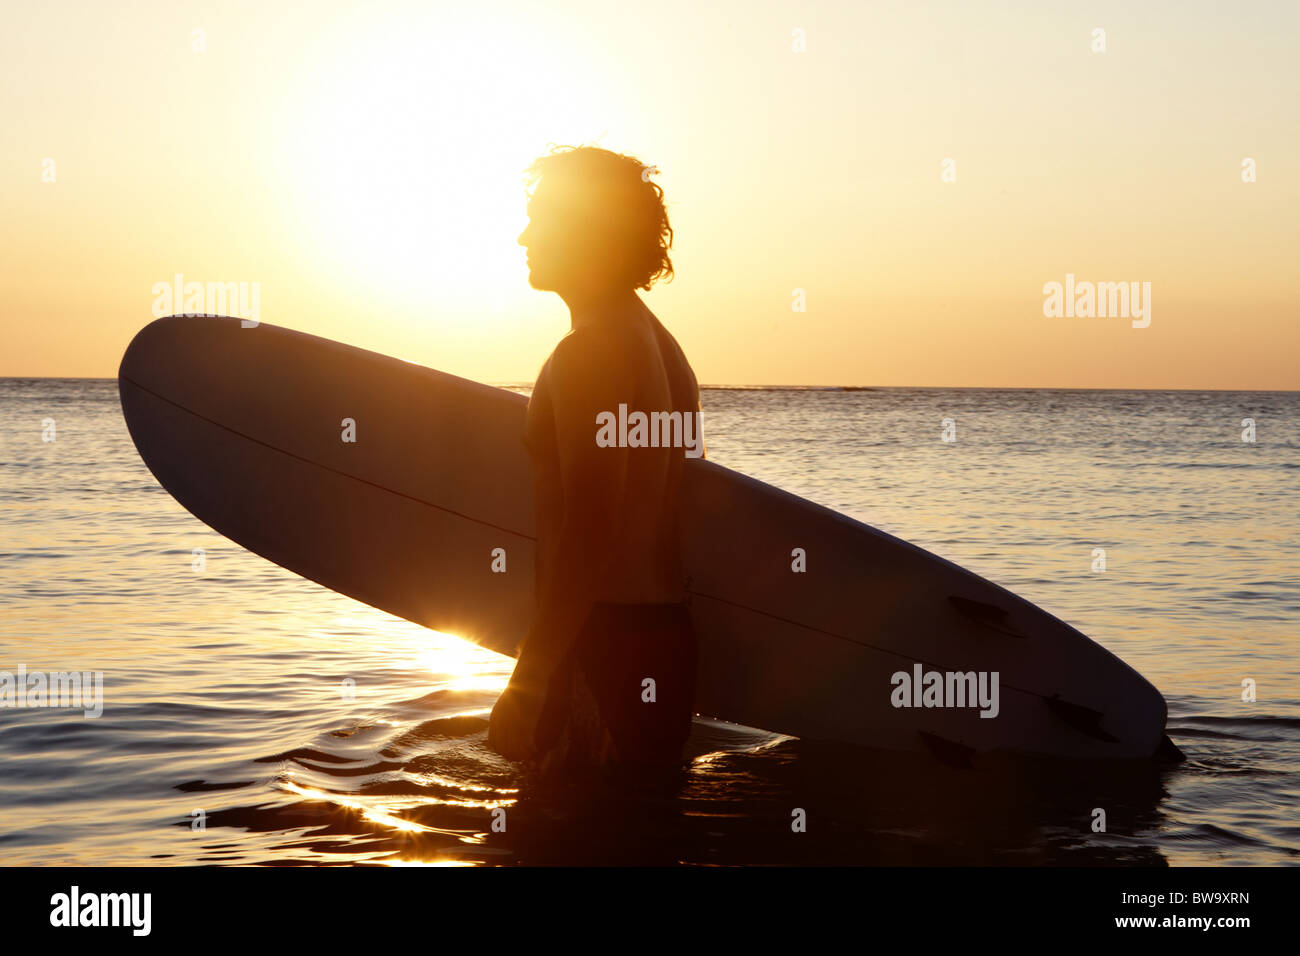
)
(792, 387)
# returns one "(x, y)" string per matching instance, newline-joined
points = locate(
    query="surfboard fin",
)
(1083, 719)
(1168, 752)
(989, 615)
(948, 751)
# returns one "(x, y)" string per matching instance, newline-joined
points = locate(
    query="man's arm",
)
(588, 375)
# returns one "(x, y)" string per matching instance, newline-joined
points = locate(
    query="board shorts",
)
(596, 713)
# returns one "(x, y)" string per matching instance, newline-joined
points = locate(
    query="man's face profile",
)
(562, 244)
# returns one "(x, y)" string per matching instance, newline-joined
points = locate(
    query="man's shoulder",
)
(596, 347)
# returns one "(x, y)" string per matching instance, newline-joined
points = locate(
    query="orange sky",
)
(362, 163)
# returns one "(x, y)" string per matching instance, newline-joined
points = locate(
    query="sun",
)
(406, 151)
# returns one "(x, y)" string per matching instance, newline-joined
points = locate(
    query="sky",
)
(919, 172)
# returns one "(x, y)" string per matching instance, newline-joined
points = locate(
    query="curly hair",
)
(615, 192)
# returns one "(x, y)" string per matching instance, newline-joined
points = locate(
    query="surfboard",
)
(246, 427)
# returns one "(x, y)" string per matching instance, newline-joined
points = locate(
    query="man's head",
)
(596, 223)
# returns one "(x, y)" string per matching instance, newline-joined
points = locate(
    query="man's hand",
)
(512, 730)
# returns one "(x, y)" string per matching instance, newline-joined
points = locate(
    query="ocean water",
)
(225, 737)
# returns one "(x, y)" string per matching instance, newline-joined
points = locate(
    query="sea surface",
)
(225, 737)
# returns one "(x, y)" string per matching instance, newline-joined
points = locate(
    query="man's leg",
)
(626, 645)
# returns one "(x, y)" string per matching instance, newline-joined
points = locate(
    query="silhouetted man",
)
(605, 676)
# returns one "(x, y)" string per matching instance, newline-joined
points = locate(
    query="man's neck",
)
(603, 307)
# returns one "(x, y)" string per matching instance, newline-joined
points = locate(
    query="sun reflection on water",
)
(462, 665)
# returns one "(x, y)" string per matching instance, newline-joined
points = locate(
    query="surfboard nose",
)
(146, 353)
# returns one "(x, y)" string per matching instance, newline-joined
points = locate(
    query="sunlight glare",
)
(409, 146)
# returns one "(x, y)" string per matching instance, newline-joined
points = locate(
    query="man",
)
(605, 676)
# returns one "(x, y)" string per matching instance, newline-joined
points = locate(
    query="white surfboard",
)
(244, 426)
